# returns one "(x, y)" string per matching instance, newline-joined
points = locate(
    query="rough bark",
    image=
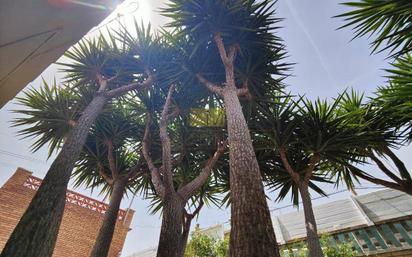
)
(188, 217)
(175, 226)
(162, 179)
(252, 233)
(313, 242)
(175, 221)
(165, 141)
(36, 233)
(193, 186)
(132, 86)
(154, 171)
(185, 235)
(118, 183)
(104, 237)
(172, 225)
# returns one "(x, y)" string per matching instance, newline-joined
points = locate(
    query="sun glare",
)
(130, 10)
(125, 15)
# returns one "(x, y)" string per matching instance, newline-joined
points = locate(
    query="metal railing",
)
(382, 238)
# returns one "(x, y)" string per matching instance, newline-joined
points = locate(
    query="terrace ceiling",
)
(35, 33)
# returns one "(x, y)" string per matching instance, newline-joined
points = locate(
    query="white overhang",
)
(35, 33)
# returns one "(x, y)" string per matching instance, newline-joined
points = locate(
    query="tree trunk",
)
(252, 233)
(104, 238)
(172, 227)
(185, 235)
(314, 247)
(36, 233)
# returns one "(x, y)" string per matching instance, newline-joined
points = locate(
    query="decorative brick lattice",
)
(76, 198)
(82, 217)
(32, 183)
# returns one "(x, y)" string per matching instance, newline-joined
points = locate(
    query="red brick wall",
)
(79, 225)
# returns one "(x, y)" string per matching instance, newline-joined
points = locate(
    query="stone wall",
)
(79, 226)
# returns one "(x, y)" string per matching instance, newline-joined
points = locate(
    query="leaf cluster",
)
(247, 25)
(314, 135)
(47, 114)
(395, 100)
(389, 23)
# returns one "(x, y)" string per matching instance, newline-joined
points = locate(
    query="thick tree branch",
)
(126, 88)
(244, 90)
(384, 168)
(102, 83)
(295, 176)
(209, 85)
(192, 187)
(104, 175)
(135, 171)
(227, 59)
(231, 56)
(113, 78)
(156, 179)
(174, 114)
(399, 164)
(314, 159)
(112, 159)
(196, 211)
(165, 140)
(187, 220)
(221, 48)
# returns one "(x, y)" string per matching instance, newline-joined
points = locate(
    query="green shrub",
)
(299, 249)
(205, 246)
(340, 250)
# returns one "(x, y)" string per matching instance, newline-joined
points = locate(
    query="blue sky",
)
(326, 64)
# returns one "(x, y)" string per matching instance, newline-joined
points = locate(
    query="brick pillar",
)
(18, 178)
(14, 199)
(128, 219)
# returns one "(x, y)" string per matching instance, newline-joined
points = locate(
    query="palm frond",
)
(389, 23)
(395, 100)
(48, 114)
